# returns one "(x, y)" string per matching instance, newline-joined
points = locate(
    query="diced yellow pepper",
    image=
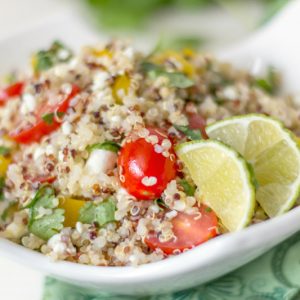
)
(185, 66)
(102, 52)
(71, 207)
(121, 83)
(4, 163)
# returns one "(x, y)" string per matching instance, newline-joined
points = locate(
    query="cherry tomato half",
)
(144, 171)
(11, 91)
(196, 121)
(34, 132)
(189, 230)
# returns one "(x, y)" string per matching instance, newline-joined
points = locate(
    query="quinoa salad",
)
(89, 167)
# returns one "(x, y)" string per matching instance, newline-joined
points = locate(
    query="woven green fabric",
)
(273, 276)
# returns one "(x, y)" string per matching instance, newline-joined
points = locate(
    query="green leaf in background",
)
(108, 145)
(190, 133)
(125, 13)
(101, 213)
(176, 79)
(133, 14)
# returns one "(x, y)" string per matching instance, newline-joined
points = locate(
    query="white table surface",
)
(18, 282)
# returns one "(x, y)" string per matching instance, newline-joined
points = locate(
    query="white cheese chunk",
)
(101, 161)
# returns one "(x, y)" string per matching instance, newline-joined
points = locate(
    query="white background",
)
(18, 282)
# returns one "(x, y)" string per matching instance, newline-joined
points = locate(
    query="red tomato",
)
(196, 121)
(34, 132)
(189, 232)
(144, 172)
(11, 91)
(44, 179)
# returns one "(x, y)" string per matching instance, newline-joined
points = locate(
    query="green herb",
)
(2, 184)
(190, 133)
(160, 203)
(108, 145)
(101, 213)
(4, 150)
(49, 118)
(176, 79)
(208, 209)
(270, 83)
(48, 225)
(8, 211)
(187, 187)
(57, 53)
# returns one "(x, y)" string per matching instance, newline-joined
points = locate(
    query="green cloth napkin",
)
(273, 276)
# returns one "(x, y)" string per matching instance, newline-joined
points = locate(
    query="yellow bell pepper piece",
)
(4, 163)
(71, 207)
(121, 83)
(102, 52)
(185, 66)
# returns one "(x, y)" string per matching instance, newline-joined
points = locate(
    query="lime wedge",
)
(223, 179)
(273, 152)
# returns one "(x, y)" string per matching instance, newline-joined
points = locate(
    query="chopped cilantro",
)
(190, 133)
(4, 150)
(2, 184)
(208, 209)
(176, 79)
(49, 118)
(270, 82)
(57, 53)
(108, 145)
(101, 213)
(47, 225)
(187, 187)
(160, 203)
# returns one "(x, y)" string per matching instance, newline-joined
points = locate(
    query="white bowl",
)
(206, 262)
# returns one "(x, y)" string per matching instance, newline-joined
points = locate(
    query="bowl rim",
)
(212, 251)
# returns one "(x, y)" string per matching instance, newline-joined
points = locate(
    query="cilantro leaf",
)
(187, 187)
(2, 184)
(190, 133)
(101, 213)
(108, 145)
(270, 82)
(57, 53)
(49, 118)
(48, 225)
(176, 79)
(160, 203)
(4, 150)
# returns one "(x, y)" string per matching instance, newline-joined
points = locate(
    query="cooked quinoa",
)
(120, 91)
